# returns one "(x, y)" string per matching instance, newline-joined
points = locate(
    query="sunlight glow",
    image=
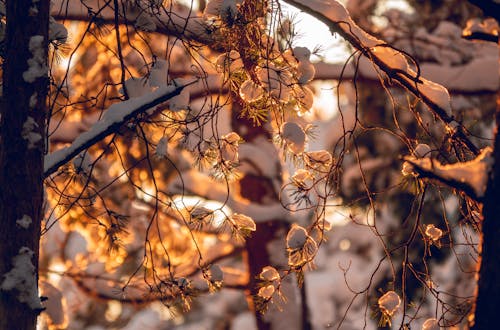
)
(220, 213)
(315, 35)
(337, 215)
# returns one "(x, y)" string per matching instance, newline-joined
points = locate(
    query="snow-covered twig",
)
(470, 177)
(392, 62)
(466, 78)
(179, 23)
(114, 117)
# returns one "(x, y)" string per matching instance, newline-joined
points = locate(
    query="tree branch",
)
(179, 24)
(389, 60)
(113, 119)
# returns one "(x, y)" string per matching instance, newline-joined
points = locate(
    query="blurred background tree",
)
(196, 147)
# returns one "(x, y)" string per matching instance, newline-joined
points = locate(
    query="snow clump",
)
(22, 278)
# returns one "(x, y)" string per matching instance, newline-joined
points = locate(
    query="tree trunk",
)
(488, 291)
(21, 150)
(259, 189)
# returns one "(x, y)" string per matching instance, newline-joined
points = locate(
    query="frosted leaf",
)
(243, 222)
(24, 222)
(232, 138)
(229, 147)
(317, 160)
(422, 150)
(297, 237)
(302, 179)
(250, 91)
(305, 72)
(408, 169)
(229, 62)
(433, 233)
(216, 273)
(266, 292)
(389, 303)
(162, 147)
(294, 137)
(302, 53)
(301, 256)
(431, 324)
(277, 81)
(305, 98)
(269, 274)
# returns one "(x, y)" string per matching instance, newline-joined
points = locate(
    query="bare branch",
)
(387, 59)
(114, 117)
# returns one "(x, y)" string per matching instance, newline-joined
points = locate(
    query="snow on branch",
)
(466, 78)
(471, 177)
(116, 115)
(394, 63)
(178, 22)
(199, 184)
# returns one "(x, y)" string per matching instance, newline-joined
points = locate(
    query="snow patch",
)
(473, 174)
(28, 132)
(24, 222)
(36, 65)
(22, 278)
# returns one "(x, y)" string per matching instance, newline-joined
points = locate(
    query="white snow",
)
(305, 69)
(431, 324)
(22, 279)
(33, 100)
(36, 65)
(294, 137)
(24, 222)
(435, 93)
(162, 147)
(250, 91)
(389, 302)
(336, 16)
(158, 75)
(473, 174)
(297, 237)
(216, 273)
(116, 114)
(220, 8)
(28, 132)
(422, 150)
(136, 87)
(57, 31)
(181, 101)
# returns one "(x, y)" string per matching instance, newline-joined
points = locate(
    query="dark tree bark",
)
(21, 160)
(488, 291)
